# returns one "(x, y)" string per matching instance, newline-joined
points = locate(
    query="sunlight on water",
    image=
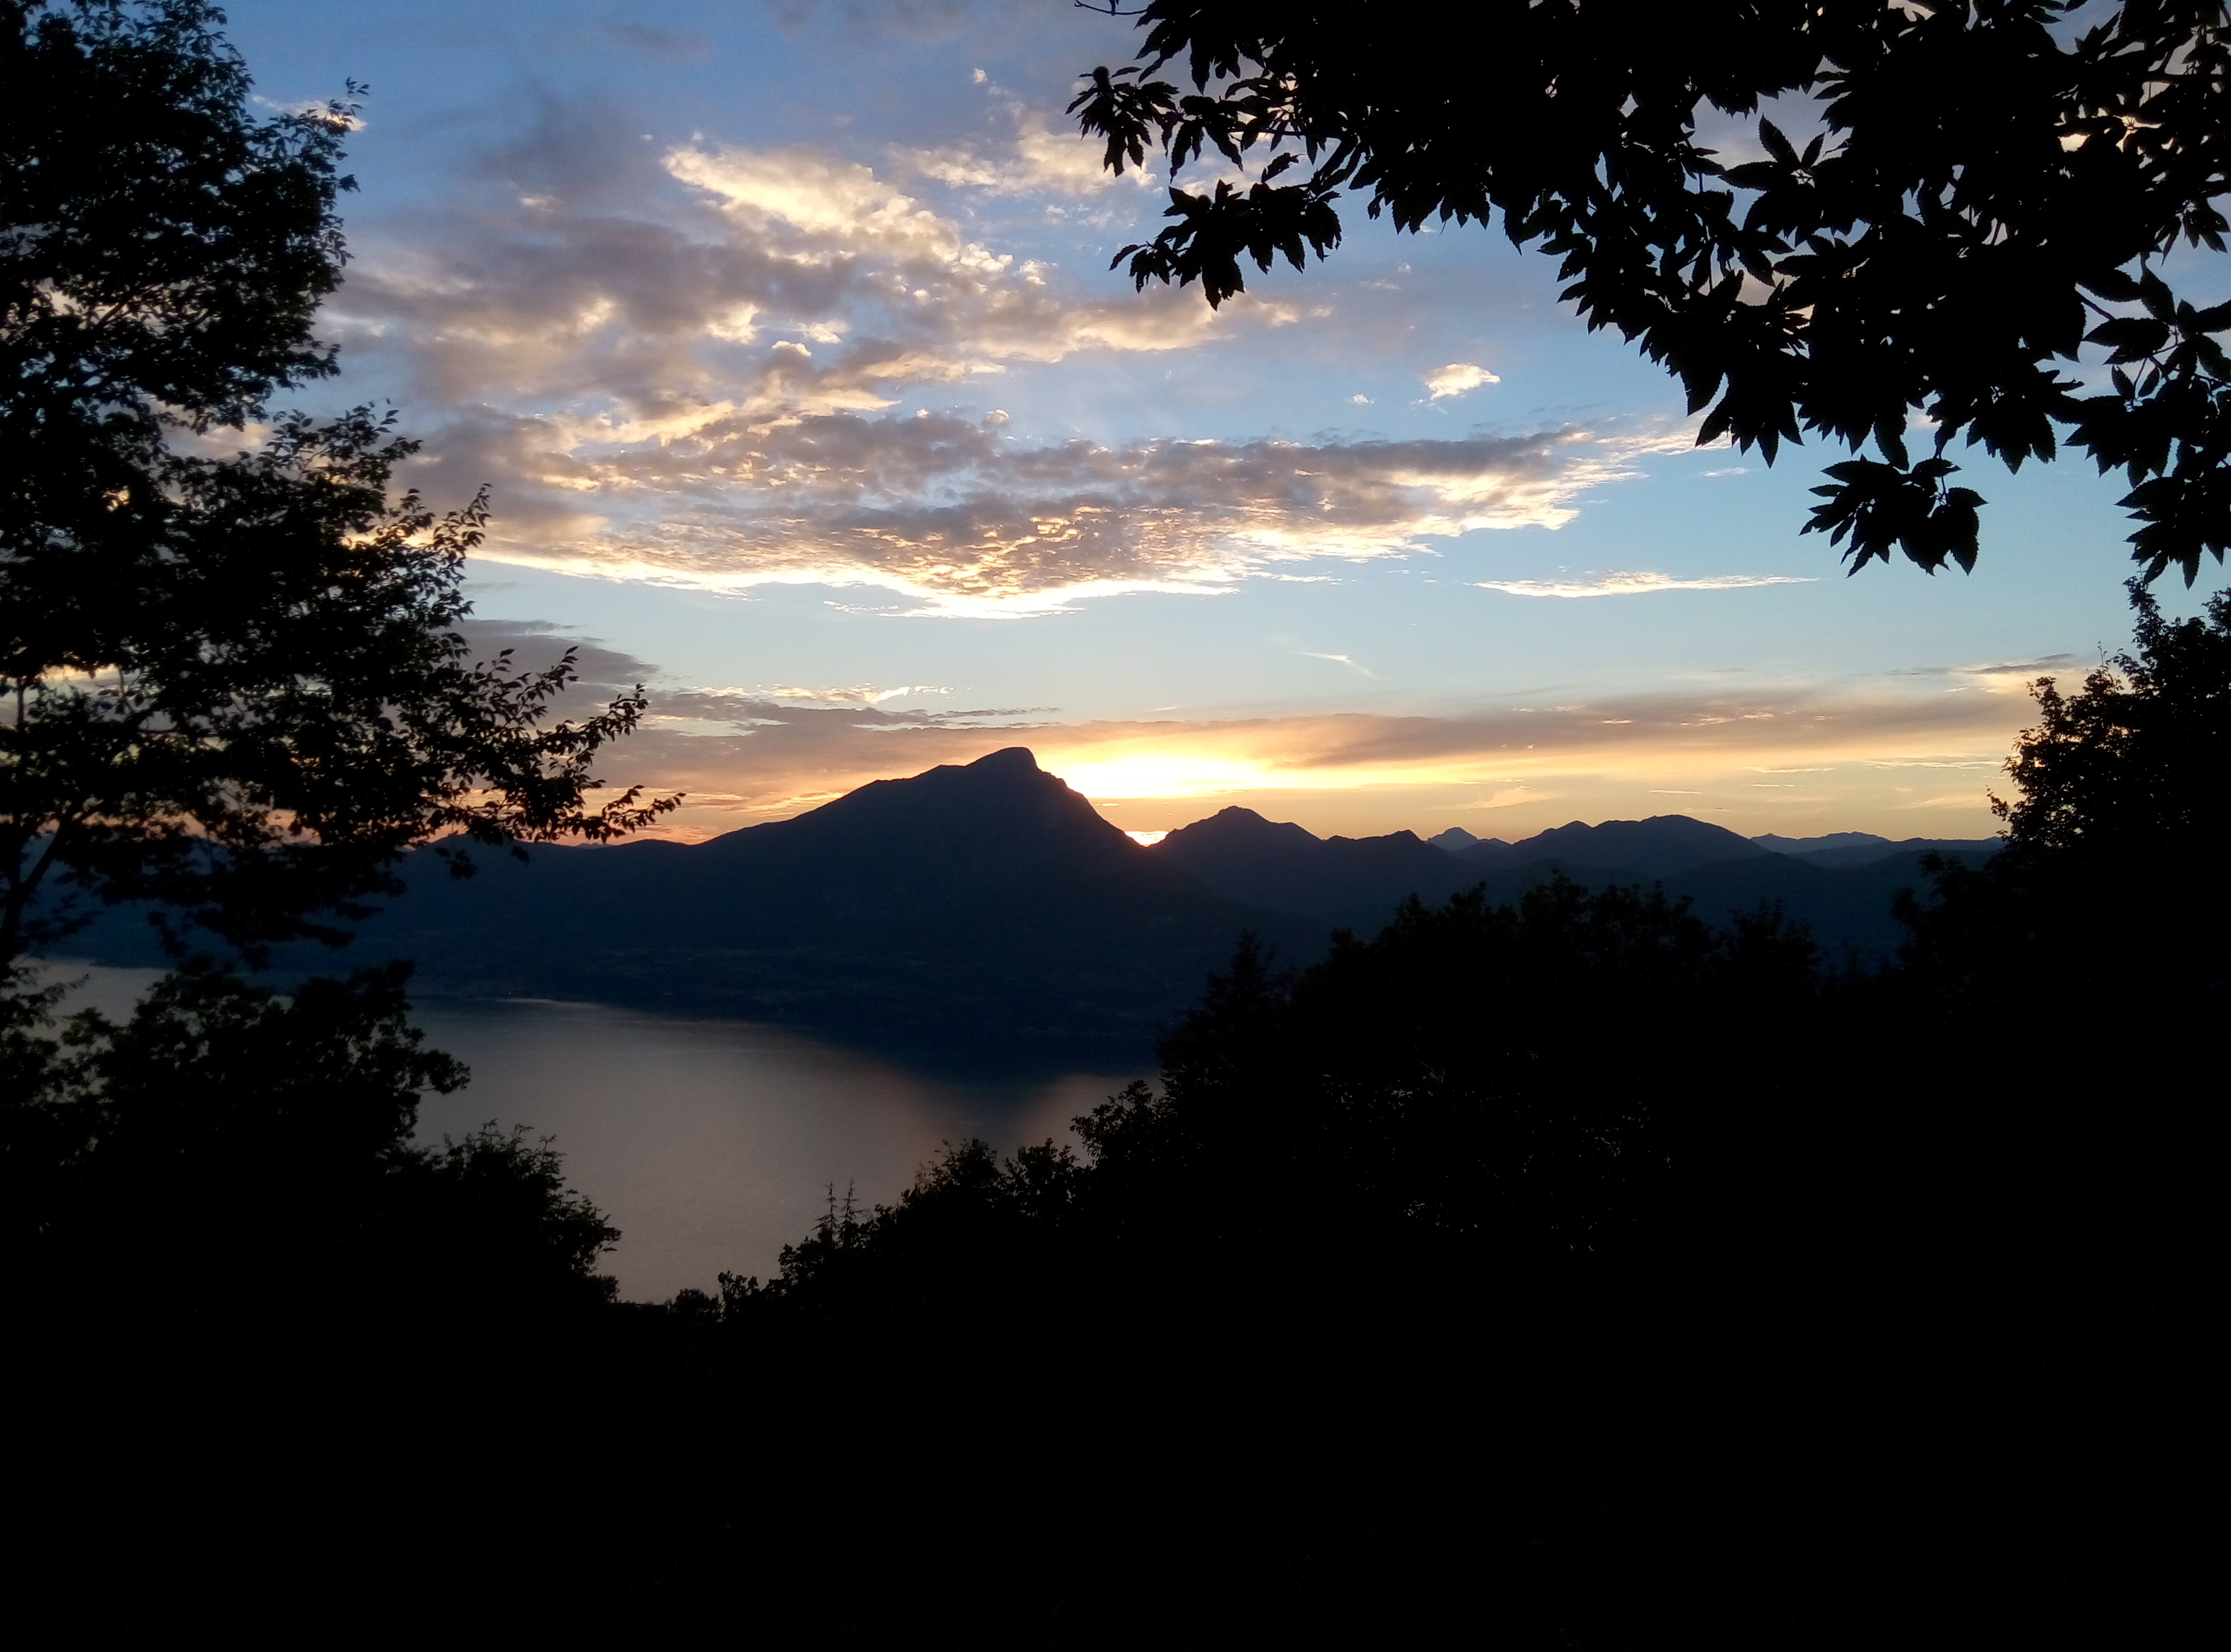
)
(709, 1144)
(712, 1144)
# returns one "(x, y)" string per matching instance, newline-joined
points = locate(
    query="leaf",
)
(2114, 286)
(2154, 294)
(2132, 338)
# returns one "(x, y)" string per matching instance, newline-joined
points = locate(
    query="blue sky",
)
(786, 338)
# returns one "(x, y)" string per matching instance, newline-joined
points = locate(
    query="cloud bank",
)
(689, 367)
(1628, 585)
(1869, 754)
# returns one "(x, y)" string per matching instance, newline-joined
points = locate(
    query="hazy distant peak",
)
(1233, 826)
(1657, 847)
(1454, 838)
(1782, 845)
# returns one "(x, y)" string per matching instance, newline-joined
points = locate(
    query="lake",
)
(710, 1144)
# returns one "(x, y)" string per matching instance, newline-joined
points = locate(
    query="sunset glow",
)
(767, 400)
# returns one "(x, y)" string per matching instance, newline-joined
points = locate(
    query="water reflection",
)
(710, 1144)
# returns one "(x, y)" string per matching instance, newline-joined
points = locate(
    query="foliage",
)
(2122, 789)
(1504, 1088)
(234, 684)
(1994, 185)
(272, 1136)
(162, 257)
(969, 1216)
(232, 687)
(2138, 762)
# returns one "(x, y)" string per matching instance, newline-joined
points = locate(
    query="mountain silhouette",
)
(1865, 848)
(985, 909)
(990, 912)
(1782, 845)
(1657, 847)
(1353, 883)
(1457, 838)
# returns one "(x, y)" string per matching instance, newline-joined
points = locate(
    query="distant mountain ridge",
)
(1657, 847)
(1353, 883)
(1863, 848)
(989, 907)
(1843, 889)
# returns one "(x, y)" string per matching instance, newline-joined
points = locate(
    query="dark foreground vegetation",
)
(1570, 1273)
(1564, 1274)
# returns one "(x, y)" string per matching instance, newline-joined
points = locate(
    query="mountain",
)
(1457, 838)
(990, 912)
(1870, 849)
(1353, 883)
(1781, 845)
(1848, 908)
(1657, 847)
(986, 910)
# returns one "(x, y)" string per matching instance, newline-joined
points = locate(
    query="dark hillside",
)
(1848, 909)
(1657, 847)
(989, 909)
(1867, 854)
(1353, 883)
(984, 909)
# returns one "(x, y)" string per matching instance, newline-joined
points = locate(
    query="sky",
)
(784, 339)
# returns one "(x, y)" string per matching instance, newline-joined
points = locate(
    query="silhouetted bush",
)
(260, 1145)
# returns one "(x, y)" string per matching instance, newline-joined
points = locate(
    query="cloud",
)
(714, 366)
(650, 291)
(1040, 159)
(959, 519)
(1627, 584)
(749, 755)
(862, 694)
(1457, 378)
(673, 45)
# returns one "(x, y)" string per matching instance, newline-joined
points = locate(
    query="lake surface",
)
(710, 1144)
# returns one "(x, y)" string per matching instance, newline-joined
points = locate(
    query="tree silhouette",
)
(1995, 185)
(1543, 1092)
(232, 687)
(2111, 867)
(276, 1132)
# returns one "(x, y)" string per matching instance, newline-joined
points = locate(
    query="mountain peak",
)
(1783, 845)
(1657, 847)
(1235, 830)
(999, 811)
